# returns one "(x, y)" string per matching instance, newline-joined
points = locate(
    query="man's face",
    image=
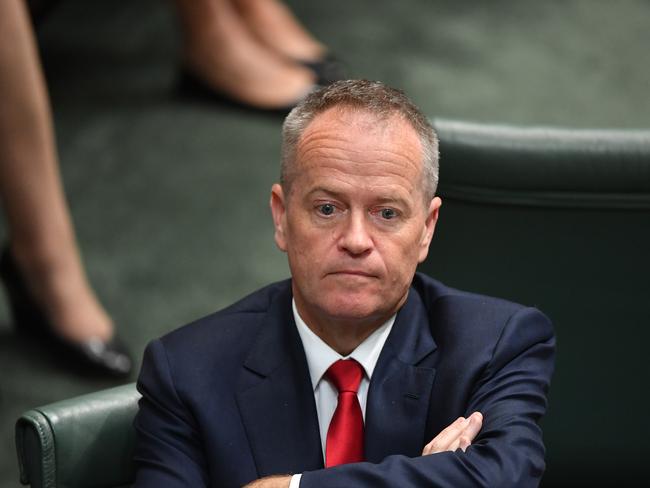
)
(355, 222)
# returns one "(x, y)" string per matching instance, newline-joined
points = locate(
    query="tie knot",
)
(345, 374)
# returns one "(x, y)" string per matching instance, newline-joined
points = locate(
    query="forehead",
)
(358, 139)
(359, 124)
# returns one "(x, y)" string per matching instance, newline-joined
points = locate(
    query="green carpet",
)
(170, 197)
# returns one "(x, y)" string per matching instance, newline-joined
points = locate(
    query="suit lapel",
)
(400, 388)
(276, 399)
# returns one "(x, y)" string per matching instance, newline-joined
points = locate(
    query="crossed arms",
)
(458, 435)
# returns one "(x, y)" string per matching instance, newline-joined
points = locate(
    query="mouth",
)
(353, 272)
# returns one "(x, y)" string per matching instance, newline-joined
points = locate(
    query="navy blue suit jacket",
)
(228, 399)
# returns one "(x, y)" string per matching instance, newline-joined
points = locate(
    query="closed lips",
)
(354, 272)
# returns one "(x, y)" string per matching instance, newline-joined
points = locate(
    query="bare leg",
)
(219, 48)
(42, 239)
(275, 26)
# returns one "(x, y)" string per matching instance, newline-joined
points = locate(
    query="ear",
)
(278, 210)
(429, 227)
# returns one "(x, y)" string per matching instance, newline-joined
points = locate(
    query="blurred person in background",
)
(41, 268)
(250, 53)
(253, 53)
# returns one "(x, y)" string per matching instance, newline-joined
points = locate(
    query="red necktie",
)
(345, 434)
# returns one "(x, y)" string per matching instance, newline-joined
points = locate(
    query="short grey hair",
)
(373, 97)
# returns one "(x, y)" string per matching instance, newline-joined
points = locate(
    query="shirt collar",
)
(320, 356)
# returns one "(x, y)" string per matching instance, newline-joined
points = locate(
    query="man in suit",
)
(358, 371)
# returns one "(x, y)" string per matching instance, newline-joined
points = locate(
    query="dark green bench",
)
(560, 219)
(85, 441)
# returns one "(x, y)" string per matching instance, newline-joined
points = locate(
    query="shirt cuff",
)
(295, 481)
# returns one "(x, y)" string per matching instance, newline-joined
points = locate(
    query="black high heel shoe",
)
(105, 357)
(191, 86)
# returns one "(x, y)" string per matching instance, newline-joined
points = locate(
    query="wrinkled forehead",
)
(361, 147)
(362, 130)
(346, 117)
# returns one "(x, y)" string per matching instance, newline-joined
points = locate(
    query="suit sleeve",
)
(508, 452)
(168, 447)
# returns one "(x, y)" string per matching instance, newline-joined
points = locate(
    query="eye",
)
(326, 209)
(388, 213)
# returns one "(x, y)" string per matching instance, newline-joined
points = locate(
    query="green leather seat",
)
(560, 219)
(81, 442)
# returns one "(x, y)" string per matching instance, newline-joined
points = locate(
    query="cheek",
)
(306, 254)
(400, 258)
(308, 242)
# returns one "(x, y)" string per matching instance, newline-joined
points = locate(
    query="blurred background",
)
(169, 197)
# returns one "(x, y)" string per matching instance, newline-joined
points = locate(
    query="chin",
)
(354, 307)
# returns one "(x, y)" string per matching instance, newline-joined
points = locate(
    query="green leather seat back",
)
(560, 219)
(81, 442)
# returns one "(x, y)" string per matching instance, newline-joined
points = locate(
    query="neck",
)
(342, 337)
(342, 334)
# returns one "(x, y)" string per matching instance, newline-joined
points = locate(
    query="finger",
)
(474, 426)
(463, 443)
(465, 439)
(448, 436)
(458, 435)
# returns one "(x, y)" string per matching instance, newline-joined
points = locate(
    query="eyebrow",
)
(340, 195)
(321, 189)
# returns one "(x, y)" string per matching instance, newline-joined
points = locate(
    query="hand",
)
(459, 434)
(276, 481)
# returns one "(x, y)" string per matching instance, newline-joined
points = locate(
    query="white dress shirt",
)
(320, 357)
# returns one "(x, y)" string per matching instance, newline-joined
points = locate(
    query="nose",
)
(355, 238)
